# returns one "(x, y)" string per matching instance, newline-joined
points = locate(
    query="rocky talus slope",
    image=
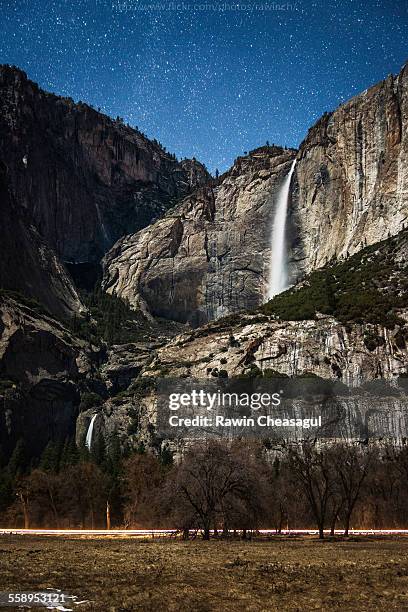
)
(85, 179)
(208, 256)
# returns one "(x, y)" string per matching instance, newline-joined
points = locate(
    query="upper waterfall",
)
(278, 275)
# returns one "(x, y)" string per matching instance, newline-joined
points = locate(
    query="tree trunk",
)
(25, 511)
(347, 525)
(83, 518)
(206, 533)
(333, 524)
(24, 504)
(279, 530)
(321, 532)
(92, 518)
(54, 509)
(108, 518)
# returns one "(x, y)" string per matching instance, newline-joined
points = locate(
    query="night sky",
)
(208, 79)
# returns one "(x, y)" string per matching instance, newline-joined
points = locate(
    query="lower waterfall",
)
(88, 439)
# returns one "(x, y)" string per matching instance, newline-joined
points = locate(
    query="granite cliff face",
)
(42, 369)
(84, 179)
(323, 347)
(79, 181)
(352, 174)
(27, 264)
(208, 256)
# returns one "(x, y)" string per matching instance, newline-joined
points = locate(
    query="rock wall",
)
(371, 402)
(85, 179)
(357, 364)
(42, 369)
(209, 256)
(79, 181)
(323, 347)
(27, 264)
(351, 184)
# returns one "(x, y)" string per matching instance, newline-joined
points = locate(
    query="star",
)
(207, 83)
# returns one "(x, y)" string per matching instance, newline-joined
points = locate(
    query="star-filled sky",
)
(208, 78)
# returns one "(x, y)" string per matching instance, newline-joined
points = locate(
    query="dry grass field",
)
(280, 574)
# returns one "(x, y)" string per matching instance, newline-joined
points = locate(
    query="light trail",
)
(174, 532)
(94, 532)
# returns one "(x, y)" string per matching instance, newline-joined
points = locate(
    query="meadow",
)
(126, 574)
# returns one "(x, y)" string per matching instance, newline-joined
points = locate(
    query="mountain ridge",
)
(85, 178)
(205, 257)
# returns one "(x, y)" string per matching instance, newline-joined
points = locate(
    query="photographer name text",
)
(261, 421)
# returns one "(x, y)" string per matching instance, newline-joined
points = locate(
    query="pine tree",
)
(6, 490)
(50, 458)
(69, 454)
(98, 451)
(84, 455)
(18, 460)
(166, 457)
(114, 454)
(114, 474)
(3, 461)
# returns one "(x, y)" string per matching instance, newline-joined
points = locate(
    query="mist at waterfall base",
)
(278, 271)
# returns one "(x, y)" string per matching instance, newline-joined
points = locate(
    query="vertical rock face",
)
(84, 179)
(41, 367)
(196, 173)
(27, 264)
(352, 174)
(209, 256)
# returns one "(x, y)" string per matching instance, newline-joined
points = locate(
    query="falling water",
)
(278, 278)
(89, 433)
(100, 219)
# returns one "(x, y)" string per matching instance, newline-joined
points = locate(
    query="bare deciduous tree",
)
(311, 468)
(218, 482)
(350, 465)
(143, 473)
